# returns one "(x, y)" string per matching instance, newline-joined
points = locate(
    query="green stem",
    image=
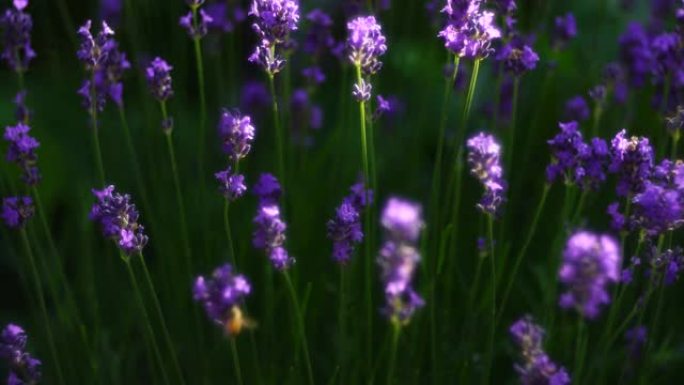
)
(203, 101)
(134, 157)
(396, 331)
(229, 236)
(511, 128)
(41, 302)
(280, 147)
(96, 136)
(675, 141)
(490, 355)
(523, 251)
(598, 111)
(341, 312)
(146, 317)
(162, 320)
(580, 349)
(236, 360)
(300, 325)
(470, 96)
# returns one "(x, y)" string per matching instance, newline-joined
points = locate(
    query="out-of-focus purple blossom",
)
(675, 122)
(221, 292)
(484, 155)
(576, 109)
(383, 106)
(590, 263)
(225, 16)
(274, 20)
(314, 75)
(24, 369)
(231, 185)
(564, 29)
(636, 340)
(254, 97)
(517, 57)
(635, 54)
(319, 38)
(21, 112)
(668, 263)
(21, 150)
(269, 234)
(345, 228)
(667, 57)
(469, 30)
(196, 23)
(305, 115)
(658, 209)
(632, 161)
(598, 94)
(158, 75)
(365, 44)
(118, 217)
(16, 26)
(237, 134)
(536, 366)
(16, 211)
(399, 257)
(111, 10)
(617, 219)
(627, 276)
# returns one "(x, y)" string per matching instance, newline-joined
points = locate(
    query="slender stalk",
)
(341, 313)
(236, 361)
(146, 317)
(523, 251)
(512, 127)
(367, 226)
(280, 147)
(598, 111)
(675, 141)
(134, 157)
(469, 97)
(300, 325)
(197, 43)
(490, 355)
(96, 136)
(396, 331)
(580, 348)
(20, 79)
(38, 287)
(229, 236)
(162, 320)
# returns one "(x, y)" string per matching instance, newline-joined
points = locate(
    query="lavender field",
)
(296, 192)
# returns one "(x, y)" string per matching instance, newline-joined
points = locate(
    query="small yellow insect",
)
(238, 321)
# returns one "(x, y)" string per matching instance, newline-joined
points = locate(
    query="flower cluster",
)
(16, 26)
(632, 161)
(231, 185)
(402, 223)
(345, 228)
(158, 75)
(484, 155)
(23, 367)
(536, 366)
(237, 134)
(469, 30)
(16, 211)
(365, 44)
(564, 29)
(106, 64)
(274, 20)
(225, 15)
(577, 109)
(517, 57)
(221, 293)
(269, 234)
(590, 262)
(118, 218)
(576, 161)
(22, 151)
(196, 22)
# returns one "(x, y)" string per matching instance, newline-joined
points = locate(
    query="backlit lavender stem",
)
(300, 325)
(512, 128)
(134, 156)
(96, 135)
(236, 360)
(492, 328)
(197, 43)
(41, 302)
(279, 138)
(396, 333)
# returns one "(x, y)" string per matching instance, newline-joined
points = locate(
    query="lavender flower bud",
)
(274, 20)
(345, 229)
(118, 218)
(484, 159)
(365, 44)
(269, 234)
(231, 185)
(16, 211)
(23, 367)
(220, 293)
(16, 26)
(158, 75)
(237, 134)
(22, 151)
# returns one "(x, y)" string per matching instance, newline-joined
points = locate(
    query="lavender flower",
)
(635, 54)
(269, 234)
(536, 367)
(469, 30)
(231, 185)
(636, 340)
(21, 112)
(237, 134)
(658, 209)
(319, 37)
(222, 294)
(16, 211)
(22, 151)
(225, 15)
(632, 161)
(564, 29)
(16, 26)
(517, 57)
(345, 228)
(196, 23)
(365, 44)
(158, 75)
(362, 91)
(274, 20)
(484, 159)
(576, 109)
(23, 367)
(590, 263)
(402, 222)
(118, 218)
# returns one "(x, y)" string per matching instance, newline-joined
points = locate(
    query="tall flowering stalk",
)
(16, 26)
(16, 212)
(222, 295)
(237, 134)
(269, 236)
(274, 20)
(365, 44)
(196, 23)
(24, 368)
(402, 222)
(118, 218)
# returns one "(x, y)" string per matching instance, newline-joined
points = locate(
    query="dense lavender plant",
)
(16, 26)
(345, 228)
(469, 30)
(536, 367)
(222, 295)
(118, 219)
(274, 20)
(484, 155)
(590, 263)
(269, 234)
(399, 256)
(24, 369)
(632, 161)
(16, 211)
(21, 150)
